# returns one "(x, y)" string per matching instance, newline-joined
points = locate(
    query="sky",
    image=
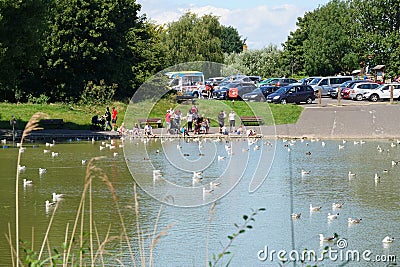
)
(262, 22)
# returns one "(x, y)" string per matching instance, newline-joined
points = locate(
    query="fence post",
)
(319, 96)
(339, 90)
(391, 94)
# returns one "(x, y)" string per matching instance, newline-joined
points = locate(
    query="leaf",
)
(245, 217)
(261, 209)
(249, 226)
(230, 237)
(236, 225)
(242, 231)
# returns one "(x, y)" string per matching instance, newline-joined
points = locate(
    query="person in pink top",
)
(168, 119)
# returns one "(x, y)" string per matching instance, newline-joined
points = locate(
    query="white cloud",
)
(261, 25)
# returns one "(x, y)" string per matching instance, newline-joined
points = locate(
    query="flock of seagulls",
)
(56, 197)
(376, 177)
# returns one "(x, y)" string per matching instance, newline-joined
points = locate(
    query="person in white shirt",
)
(231, 117)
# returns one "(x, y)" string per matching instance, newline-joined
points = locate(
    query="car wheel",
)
(374, 98)
(309, 100)
(359, 97)
(283, 101)
(195, 95)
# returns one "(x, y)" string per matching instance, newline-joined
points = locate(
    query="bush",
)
(42, 99)
(94, 94)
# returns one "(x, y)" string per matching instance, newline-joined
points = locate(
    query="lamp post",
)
(13, 122)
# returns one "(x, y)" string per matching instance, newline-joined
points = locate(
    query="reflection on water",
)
(284, 191)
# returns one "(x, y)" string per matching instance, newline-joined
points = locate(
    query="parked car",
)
(255, 79)
(282, 81)
(328, 83)
(260, 94)
(347, 84)
(215, 80)
(359, 89)
(382, 92)
(265, 82)
(241, 88)
(294, 93)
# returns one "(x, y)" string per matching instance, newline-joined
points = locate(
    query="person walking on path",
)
(114, 117)
(232, 120)
(107, 115)
(168, 119)
(221, 120)
(189, 118)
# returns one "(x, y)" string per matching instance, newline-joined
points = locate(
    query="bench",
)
(251, 120)
(152, 121)
(184, 98)
(51, 123)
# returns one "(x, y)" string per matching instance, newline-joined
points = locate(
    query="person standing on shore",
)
(232, 120)
(107, 115)
(221, 120)
(168, 119)
(189, 118)
(114, 117)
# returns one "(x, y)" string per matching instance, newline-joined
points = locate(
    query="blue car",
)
(294, 93)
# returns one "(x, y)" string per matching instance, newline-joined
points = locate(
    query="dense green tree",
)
(231, 41)
(194, 38)
(93, 40)
(21, 30)
(263, 62)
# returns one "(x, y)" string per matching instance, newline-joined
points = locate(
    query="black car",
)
(294, 93)
(260, 94)
(241, 88)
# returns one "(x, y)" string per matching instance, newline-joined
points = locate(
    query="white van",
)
(328, 83)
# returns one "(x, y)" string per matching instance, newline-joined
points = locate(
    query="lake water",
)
(285, 190)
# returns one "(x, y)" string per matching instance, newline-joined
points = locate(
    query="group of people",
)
(196, 123)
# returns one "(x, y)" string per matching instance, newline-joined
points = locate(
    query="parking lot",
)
(327, 101)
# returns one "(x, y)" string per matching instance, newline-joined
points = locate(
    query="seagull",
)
(337, 205)
(323, 144)
(344, 141)
(45, 151)
(388, 239)
(312, 209)
(356, 142)
(84, 161)
(308, 153)
(353, 221)
(351, 175)
(42, 171)
(392, 145)
(341, 147)
(47, 144)
(214, 184)
(221, 157)
(394, 163)
(377, 178)
(323, 238)
(102, 147)
(22, 150)
(178, 146)
(4, 141)
(54, 154)
(49, 204)
(303, 172)
(196, 180)
(115, 154)
(21, 168)
(256, 147)
(379, 148)
(197, 174)
(27, 182)
(207, 191)
(156, 175)
(333, 216)
(112, 147)
(295, 215)
(57, 197)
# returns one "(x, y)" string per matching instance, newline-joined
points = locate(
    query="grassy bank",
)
(79, 116)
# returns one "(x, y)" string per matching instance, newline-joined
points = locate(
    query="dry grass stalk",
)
(9, 238)
(32, 125)
(47, 231)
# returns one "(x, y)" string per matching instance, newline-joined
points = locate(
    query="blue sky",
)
(262, 22)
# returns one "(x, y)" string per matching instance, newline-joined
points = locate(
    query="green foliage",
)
(101, 94)
(231, 41)
(240, 229)
(42, 99)
(193, 38)
(263, 62)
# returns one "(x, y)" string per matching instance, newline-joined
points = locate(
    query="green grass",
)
(74, 116)
(79, 116)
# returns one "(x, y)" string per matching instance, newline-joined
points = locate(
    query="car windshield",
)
(315, 81)
(345, 84)
(380, 86)
(282, 90)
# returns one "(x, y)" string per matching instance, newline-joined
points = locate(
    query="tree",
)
(93, 40)
(263, 62)
(231, 41)
(21, 30)
(194, 39)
